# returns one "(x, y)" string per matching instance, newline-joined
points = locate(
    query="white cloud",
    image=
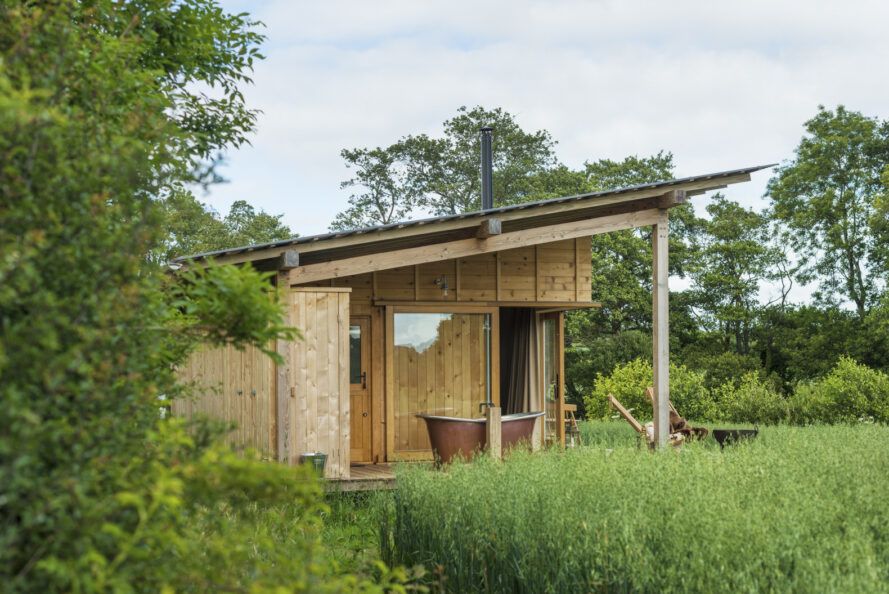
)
(719, 84)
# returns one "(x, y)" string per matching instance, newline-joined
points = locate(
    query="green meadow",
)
(799, 509)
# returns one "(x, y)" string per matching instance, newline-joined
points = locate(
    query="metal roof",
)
(475, 214)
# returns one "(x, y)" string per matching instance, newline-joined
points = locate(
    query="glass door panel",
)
(440, 366)
(551, 332)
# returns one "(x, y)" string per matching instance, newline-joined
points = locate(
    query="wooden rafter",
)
(470, 247)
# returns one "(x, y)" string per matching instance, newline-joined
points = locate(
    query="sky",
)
(721, 85)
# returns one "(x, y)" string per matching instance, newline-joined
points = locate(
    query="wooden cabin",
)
(430, 316)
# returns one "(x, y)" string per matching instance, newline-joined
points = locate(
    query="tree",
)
(826, 198)
(389, 188)
(192, 227)
(621, 279)
(733, 258)
(100, 114)
(245, 226)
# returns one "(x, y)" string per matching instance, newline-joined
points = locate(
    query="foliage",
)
(219, 304)
(628, 383)
(390, 189)
(849, 393)
(805, 342)
(589, 357)
(732, 259)
(751, 400)
(720, 367)
(609, 433)
(826, 197)
(447, 168)
(796, 510)
(101, 119)
(192, 227)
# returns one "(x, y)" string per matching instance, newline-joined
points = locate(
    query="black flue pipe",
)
(487, 170)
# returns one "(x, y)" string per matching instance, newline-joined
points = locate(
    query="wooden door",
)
(359, 388)
(553, 365)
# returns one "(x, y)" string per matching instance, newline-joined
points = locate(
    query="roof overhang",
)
(432, 239)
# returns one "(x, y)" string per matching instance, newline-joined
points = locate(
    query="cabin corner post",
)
(282, 377)
(661, 327)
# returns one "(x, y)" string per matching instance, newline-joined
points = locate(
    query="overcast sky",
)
(720, 84)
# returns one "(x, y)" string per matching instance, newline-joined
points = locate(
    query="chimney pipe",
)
(487, 166)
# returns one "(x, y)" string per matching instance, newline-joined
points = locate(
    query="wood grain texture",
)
(409, 257)
(234, 387)
(321, 382)
(661, 328)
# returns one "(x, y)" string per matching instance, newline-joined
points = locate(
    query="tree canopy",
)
(828, 196)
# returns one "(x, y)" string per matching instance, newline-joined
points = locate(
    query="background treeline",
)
(825, 225)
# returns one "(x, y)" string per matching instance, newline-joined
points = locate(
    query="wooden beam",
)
(493, 430)
(661, 328)
(469, 247)
(288, 260)
(550, 305)
(672, 198)
(489, 227)
(260, 253)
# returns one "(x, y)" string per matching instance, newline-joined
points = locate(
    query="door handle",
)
(364, 380)
(364, 414)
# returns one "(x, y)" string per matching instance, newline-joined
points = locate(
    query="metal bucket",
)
(316, 459)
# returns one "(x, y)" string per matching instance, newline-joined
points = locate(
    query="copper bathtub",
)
(451, 436)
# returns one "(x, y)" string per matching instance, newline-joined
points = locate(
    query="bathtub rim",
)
(503, 419)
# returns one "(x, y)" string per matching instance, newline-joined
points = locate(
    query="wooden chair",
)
(675, 418)
(572, 431)
(675, 440)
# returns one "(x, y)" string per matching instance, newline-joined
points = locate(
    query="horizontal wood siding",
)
(478, 278)
(235, 387)
(556, 272)
(518, 271)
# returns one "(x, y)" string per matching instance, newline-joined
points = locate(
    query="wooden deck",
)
(369, 477)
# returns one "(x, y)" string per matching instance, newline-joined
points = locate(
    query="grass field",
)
(797, 510)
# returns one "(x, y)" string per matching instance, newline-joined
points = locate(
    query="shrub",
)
(723, 367)
(849, 393)
(752, 400)
(628, 384)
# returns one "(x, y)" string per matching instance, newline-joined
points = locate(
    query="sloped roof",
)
(692, 185)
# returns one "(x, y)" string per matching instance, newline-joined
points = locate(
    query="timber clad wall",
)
(235, 387)
(319, 414)
(552, 272)
(304, 405)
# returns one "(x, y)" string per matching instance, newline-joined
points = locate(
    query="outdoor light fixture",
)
(442, 283)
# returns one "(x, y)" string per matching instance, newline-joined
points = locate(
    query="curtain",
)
(519, 374)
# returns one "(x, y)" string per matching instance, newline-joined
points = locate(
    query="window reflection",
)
(418, 330)
(355, 354)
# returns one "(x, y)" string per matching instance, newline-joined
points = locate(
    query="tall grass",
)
(797, 510)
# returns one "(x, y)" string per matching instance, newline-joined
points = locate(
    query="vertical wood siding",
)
(320, 375)
(235, 387)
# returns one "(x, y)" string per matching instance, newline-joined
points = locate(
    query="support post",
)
(493, 428)
(284, 392)
(661, 328)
